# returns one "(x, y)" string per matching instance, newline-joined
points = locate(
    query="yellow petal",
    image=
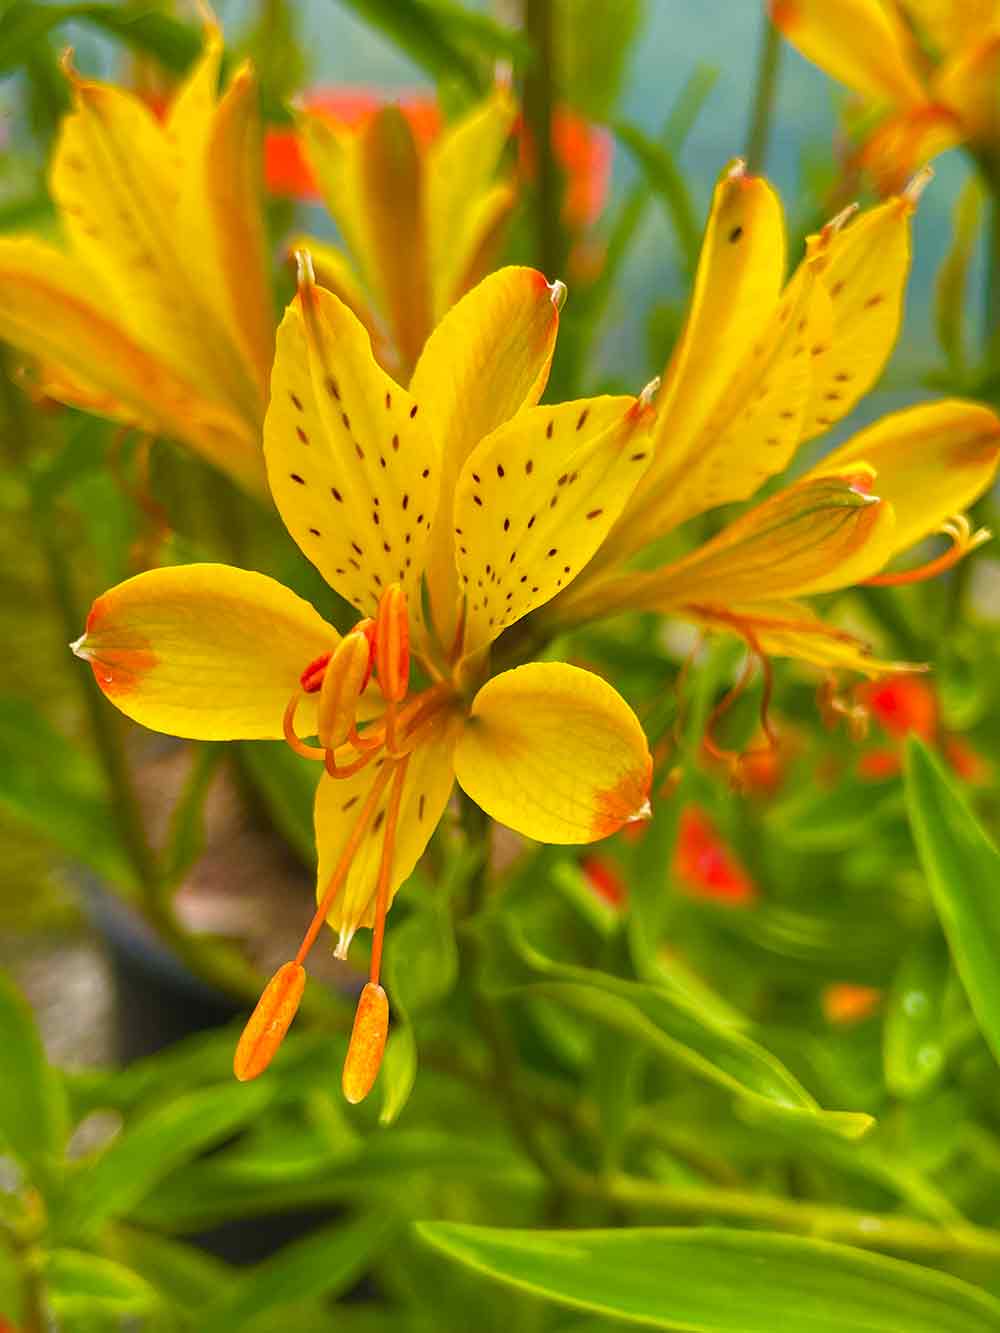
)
(949, 24)
(904, 142)
(336, 273)
(555, 753)
(487, 227)
(864, 267)
(221, 218)
(427, 786)
(487, 359)
(816, 534)
(930, 461)
(793, 629)
(736, 293)
(205, 651)
(53, 309)
(460, 170)
(861, 43)
(536, 499)
(333, 153)
(353, 468)
(391, 177)
(967, 84)
(115, 179)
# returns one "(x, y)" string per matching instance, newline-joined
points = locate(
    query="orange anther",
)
(392, 644)
(343, 682)
(364, 1054)
(269, 1022)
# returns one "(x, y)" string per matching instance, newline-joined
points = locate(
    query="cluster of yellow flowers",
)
(441, 500)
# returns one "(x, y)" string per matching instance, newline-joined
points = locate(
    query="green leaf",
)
(184, 1274)
(149, 30)
(717, 1281)
(80, 1284)
(950, 306)
(326, 1263)
(664, 1020)
(593, 41)
(963, 870)
(423, 31)
(47, 782)
(914, 1035)
(155, 1146)
(34, 1118)
(666, 180)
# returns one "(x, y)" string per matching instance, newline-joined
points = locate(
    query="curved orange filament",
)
(963, 540)
(291, 739)
(336, 770)
(344, 863)
(735, 758)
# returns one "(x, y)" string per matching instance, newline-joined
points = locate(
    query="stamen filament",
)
(347, 770)
(963, 540)
(288, 727)
(385, 869)
(344, 864)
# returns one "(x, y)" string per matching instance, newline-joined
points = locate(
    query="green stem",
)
(769, 60)
(539, 105)
(22, 425)
(894, 1233)
(521, 1114)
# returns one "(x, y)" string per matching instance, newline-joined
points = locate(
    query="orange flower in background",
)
(705, 866)
(927, 70)
(845, 1003)
(605, 879)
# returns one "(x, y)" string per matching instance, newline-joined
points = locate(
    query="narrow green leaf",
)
(593, 43)
(950, 305)
(963, 870)
(33, 1110)
(325, 1263)
(156, 1145)
(422, 31)
(709, 1280)
(915, 1037)
(185, 1274)
(665, 179)
(80, 1285)
(666, 1022)
(51, 785)
(148, 30)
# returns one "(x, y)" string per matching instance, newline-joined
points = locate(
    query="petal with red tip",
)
(204, 651)
(555, 753)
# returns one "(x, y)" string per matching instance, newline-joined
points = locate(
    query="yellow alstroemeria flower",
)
(928, 69)
(157, 311)
(762, 366)
(421, 216)
(457, 483)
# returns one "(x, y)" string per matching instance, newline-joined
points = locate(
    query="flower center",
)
(346, 747)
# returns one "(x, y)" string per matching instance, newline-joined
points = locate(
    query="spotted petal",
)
(487, 359)
(735, 298)
(352, 467)
(204, 651)
(427, 786)
(931, 461)
(536, 499)
(555, 753)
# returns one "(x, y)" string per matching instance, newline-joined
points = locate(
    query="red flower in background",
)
(288, 175)
(705, 866)
(902, 705)
(583, 151)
